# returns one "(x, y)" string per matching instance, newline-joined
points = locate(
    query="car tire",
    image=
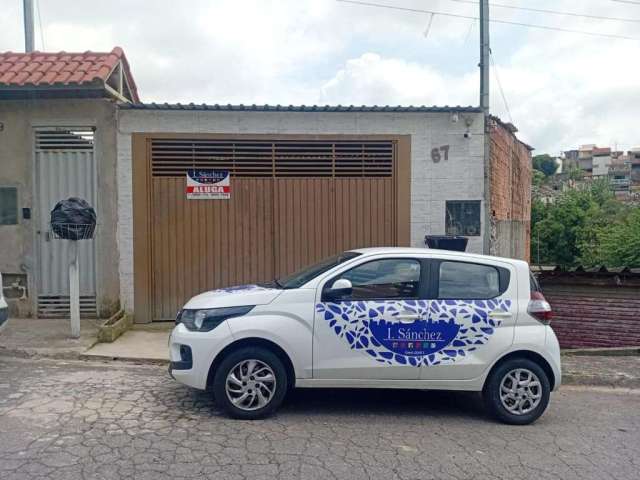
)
(517, 391)
(233, 379)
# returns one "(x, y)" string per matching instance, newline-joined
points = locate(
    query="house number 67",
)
(439, 152)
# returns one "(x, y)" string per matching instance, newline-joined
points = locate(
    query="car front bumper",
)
(192, 353)
(4, 315)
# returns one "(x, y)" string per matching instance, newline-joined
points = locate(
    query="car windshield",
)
(299, 278)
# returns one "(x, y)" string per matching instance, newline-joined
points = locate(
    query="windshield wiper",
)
(278, 284)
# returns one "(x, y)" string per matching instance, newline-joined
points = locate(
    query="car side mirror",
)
(341, 284)
(340, 287)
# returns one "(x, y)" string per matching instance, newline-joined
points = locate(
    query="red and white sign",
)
(208, 185)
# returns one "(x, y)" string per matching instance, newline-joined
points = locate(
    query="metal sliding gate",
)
(293, 202)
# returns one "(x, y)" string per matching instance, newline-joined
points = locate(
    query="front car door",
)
(365, 332)
(476, 299)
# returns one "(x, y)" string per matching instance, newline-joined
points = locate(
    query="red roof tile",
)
(44, 69)
(601, 151)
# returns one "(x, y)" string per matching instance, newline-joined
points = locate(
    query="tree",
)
(586, 226)
(537, 178)
(545, 163)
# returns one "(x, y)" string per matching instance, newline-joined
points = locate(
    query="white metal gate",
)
(65, 168)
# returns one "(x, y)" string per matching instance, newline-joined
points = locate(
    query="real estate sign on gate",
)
(208, 185)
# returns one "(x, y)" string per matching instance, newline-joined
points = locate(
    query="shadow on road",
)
(383, 402)
(363, 402)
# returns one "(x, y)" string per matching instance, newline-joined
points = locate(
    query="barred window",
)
(463, 217)
(8, 205)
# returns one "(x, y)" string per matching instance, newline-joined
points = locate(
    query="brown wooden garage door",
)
(293, 201)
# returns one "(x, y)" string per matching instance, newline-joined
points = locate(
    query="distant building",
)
(569, 160)
(600, 161)
(585, 158)
(634, 168)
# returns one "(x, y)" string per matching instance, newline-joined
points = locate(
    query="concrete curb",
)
(603, 352)
(146, 361)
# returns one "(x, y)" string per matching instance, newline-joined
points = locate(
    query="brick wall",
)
(510, 167)
(594, 311)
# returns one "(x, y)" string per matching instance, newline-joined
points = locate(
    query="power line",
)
(426, 31)
(504, 98)
(40, 25)
(469, 17)
(627, 1)
(553, 12)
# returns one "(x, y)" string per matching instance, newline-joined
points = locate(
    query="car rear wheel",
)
(250, 383)
(517, 391)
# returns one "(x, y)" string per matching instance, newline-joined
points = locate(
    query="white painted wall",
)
(601, 165)
(459, 178)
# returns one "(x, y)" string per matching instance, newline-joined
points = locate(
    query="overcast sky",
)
(562, 89)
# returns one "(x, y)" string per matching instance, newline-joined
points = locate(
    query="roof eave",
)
(302, 108)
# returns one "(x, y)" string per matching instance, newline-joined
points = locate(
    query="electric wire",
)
(552, 12)
(426, 31)
(493, 20)
(40, 25)
(504, 98)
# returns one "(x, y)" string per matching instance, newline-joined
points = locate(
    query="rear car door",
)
(364, 333)
(474, 303)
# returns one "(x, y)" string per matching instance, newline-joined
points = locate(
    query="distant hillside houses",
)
(621, 168)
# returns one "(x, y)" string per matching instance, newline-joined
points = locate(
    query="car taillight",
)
(539, 308)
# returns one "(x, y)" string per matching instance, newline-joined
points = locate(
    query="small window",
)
(463, 217)
(8, 206)
(466, 281)
(384, 279)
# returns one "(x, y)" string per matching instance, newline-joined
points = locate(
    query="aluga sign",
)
(208, 185)
(375, 318)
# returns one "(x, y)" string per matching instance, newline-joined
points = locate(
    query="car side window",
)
(391, 278)
(467, 281)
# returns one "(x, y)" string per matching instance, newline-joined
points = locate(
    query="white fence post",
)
(74, 289)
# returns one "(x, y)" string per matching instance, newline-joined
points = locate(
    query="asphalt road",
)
(67, 420)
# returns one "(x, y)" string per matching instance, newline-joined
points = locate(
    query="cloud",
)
(371, 79)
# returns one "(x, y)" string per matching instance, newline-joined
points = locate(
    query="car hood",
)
(234, 296)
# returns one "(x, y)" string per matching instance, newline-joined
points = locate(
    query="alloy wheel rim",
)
(520, 391)
(250, 385)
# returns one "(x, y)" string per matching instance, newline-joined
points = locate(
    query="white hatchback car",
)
(375, 318)
(4, 309)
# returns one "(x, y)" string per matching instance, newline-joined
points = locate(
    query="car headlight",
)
(208, 319)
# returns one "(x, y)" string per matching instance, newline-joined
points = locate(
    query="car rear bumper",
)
(553, 349)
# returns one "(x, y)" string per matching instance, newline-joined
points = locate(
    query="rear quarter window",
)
(533, 283)
(470, 281)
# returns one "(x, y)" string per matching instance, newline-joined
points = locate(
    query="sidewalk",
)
(50, 337)
(609, 371)
(147, 343)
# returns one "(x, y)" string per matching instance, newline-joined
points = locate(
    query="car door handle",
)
(500, 314)
(407, 317)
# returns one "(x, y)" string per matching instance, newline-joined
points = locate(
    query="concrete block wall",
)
(461, 177)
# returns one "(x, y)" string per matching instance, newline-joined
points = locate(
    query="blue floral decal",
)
(414, 332)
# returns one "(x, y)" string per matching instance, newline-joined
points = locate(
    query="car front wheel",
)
(517, 391)
(250, 383)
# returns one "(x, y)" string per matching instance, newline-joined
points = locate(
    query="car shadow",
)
(383, 402)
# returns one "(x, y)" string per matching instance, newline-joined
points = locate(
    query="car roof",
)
(413, 250)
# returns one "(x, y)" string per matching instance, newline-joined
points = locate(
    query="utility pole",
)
(484, 55)
(27, 6)
(488, 244)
